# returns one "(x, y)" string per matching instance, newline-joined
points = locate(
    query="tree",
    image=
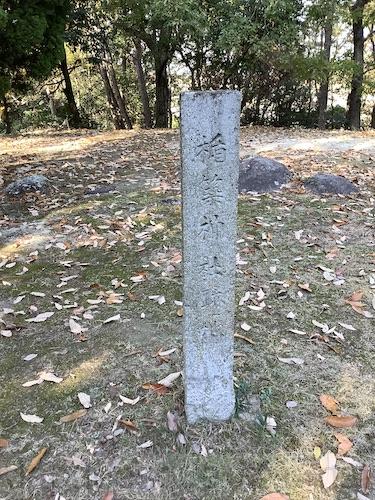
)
(31, 40)
(355, 97)
(162, 25)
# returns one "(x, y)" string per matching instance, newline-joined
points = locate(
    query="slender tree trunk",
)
(117, 121)
(373, 117)
(324, 86)
(355, 97)
(117, 94)
(6, 117)
(51, 103)
(162, 97)
(75, 120)
(141, 79)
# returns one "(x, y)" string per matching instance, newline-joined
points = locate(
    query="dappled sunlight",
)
(356, 390)
(83, 372)
(23, 244)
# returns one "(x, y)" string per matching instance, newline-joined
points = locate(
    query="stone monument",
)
(210, 165)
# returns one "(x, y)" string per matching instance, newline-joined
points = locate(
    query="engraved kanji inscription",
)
(214, 150)
(211, 266)
(210, 226)
(211, 299)
(212, 189)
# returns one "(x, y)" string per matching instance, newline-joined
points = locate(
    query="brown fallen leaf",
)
(158, 388)
(341, 421)
(329, 403)
(5, 470)
(73, 416)
(36, 461)
(128, 424)
(366, 479)
(275, 496)
(344, 444)
(242, 337)
(4, 443)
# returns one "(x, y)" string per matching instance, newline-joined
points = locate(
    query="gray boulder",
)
(330, 184)
(27, 184)
(262, 175)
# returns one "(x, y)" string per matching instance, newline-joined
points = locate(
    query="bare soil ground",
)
(105, 239)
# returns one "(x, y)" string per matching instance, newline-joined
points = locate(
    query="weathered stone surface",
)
(262, 175)
(210, 163)
(330, 184)
(27, 184)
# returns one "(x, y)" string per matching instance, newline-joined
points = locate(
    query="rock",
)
(331, 184)
(262, 175)
(27, 184)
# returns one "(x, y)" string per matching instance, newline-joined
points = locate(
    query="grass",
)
(239, 459)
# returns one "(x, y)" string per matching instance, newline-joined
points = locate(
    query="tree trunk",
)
(6, 117)
(323, 90)
(141, 79)
(117, 121)
(74, 118)
(373, 117)
(353, 116)
(51, 103)
(162, 92)
(117, 94)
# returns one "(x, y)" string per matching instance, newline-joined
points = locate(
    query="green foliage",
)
(31, 40)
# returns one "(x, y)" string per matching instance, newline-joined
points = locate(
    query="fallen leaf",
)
(352, 462)
(75, 327)
(112, 318)
(341, 421)
(344, 444)
(5, 470)
(291, 404)
(271, 425)
(147, 444)
(41, 317)
(172, 421)
(158, 388)
(366, 479)
(30, 357)
(4, 443)
(129, 401)
(317, 452)
(329, 403)
(84, 399)
(245, 327)
(73, 416)
(35, 461)
(30, 383)
(128, 424)
(305, 286)
(168, 381)
(242, 337)
(31, 419)
(328, 465)
(50, 377)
